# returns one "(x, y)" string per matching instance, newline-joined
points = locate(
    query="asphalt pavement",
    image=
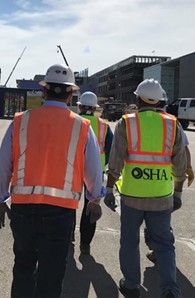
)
(98, 274)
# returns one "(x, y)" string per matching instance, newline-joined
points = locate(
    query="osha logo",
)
(149, 174)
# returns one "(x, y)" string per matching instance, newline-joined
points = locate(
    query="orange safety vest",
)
(48, 157)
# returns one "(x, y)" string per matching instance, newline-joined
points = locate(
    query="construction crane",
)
(14, 67)
(63, 55)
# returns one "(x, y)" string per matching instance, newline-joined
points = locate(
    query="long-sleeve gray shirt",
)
(116, 163)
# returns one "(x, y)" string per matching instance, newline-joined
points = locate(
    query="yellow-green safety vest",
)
(147, 169)
(99, 127)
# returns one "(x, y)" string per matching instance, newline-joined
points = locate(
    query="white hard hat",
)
(60, 74)
(88, 99)
(151, 89)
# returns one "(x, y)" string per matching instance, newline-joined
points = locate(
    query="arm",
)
(6, 163)
(118, 153)
(179, 166)
(116, 162)
(188, 157)
(179, 160)
(108, 143)
(189, 170)
(93, 178)
(93, 169)
(5, 173)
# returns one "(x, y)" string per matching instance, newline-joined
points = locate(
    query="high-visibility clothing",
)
(99, 127)
(147, 169)
(48, 157)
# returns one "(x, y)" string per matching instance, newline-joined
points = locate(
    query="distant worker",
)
(87, 106)
(148, 152)
(47, 154)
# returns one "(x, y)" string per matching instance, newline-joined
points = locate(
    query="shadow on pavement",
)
(190, 129)
(78, 282)
(151, 284)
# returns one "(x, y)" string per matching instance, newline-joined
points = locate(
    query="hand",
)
(3, 209)
(190, 174)
(94, 210)
(109, 200)
(177, 202)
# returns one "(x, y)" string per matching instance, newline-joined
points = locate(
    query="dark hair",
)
(58, 90)
(162, 104)
(87, 108)
(141, 103)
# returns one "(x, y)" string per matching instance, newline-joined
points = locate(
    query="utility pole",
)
(14, 67)
(63, 55)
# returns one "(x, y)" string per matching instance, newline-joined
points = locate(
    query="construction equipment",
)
(14, 67)
(63, 55)
(112, 110)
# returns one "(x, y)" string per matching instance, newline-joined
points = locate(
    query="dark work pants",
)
(42, 234)
(87, 229)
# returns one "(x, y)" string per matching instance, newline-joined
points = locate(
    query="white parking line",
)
(187, 241)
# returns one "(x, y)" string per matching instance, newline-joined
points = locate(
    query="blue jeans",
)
(158, 227)
(42, 234)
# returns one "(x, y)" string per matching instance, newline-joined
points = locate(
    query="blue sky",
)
(93, 34)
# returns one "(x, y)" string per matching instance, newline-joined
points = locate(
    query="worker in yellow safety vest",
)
(148, 155)
(47, 154)
(87, 104)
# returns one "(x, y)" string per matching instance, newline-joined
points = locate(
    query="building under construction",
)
(120, 80)
(114, 83)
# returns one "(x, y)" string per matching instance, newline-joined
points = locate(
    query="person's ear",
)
(69, 97)
(44, 92)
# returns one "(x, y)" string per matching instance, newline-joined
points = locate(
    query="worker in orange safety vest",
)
(47, 155)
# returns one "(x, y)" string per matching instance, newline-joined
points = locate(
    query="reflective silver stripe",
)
(149, 158)
(23, 144)
(66, 191)
(169, 132)
(102, 136)
(45, 190)
(71, 153)
(134, 135)
(133, 131)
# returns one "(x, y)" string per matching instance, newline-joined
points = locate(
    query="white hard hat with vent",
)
(88, 99)
(60, 74)
(150, 89)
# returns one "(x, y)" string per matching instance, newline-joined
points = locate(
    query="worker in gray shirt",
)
(147, 155)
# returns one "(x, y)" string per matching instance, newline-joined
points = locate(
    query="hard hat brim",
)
(74, 87)
(162, 99)
(79, 103)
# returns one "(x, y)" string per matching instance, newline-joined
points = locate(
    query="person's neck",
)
(56, 99)
(90, 113)
(148, 108)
